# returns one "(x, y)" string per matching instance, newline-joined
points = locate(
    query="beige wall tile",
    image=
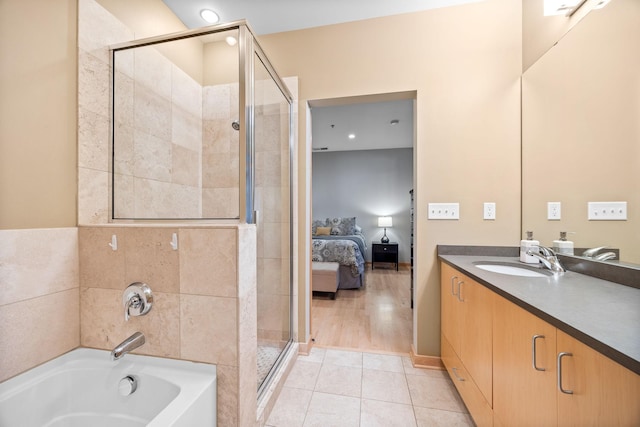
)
(185, 166)
(103, 325)
(36, 262)
(37, 330)
(220, 202)
(93, 140)
(227, 402)
(101, 266)
(93, 200)
(150, 258)
(208, 261)
(208, 329)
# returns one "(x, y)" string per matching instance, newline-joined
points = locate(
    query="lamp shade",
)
(385, 221)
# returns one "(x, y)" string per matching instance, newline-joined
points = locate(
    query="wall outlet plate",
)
(554, 211)
(489, 211)
(607, 211)
(444, 211)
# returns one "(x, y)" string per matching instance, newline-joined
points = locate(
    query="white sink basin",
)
(511, 270)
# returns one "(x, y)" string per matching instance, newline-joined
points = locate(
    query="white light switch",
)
(607, 211)
(444, 210)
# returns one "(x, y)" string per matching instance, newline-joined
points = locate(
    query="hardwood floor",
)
(377, 317)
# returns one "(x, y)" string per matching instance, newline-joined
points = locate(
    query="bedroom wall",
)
(464, 63)
(366, 184)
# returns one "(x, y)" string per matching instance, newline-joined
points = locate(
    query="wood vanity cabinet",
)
(605, 393)
(466, 317)
(523, 387)
(523, 364)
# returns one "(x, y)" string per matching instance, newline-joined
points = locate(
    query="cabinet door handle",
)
(533, 352)
(455, 374)
(560, 356)
(453, 279)
(460, 283)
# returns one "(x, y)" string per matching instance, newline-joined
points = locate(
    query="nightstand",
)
(384, 252)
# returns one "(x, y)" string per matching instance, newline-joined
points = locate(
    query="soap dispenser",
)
(529, 245)
(563, 246)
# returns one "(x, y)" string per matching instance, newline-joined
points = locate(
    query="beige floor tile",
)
(315, 355)
(374, 413)
(329, 410)
(343, 358)
(290, 409)
(410, 370)
(427, 417)
(385, 386)
(342, 380)
(436, 393)
(303, 375)
(382, 362)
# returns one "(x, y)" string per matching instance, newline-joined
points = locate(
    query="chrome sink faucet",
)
(134, 341)
(548, 258)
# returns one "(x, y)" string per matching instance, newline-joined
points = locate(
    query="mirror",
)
(581, 131)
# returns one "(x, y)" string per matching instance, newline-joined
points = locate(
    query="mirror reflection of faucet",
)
(593, 254)
(137, 300)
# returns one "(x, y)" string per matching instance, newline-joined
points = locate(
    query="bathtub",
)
(85, 388)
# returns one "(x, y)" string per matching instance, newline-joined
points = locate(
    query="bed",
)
(340, 240)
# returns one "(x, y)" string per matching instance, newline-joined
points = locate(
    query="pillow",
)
(323, 231)
(317, 223)
(357, 229)
(342, 226)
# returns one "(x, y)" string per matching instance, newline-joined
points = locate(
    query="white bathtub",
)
(80, 388)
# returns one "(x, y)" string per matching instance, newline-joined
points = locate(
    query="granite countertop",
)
(602, 314)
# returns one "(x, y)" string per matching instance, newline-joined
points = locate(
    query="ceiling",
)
(369, 121)
(274, 16)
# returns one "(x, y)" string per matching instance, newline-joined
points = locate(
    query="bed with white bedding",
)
(340, 240)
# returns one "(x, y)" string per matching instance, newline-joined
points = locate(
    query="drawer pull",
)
(560, 356)
(533, 352)
(455, 374)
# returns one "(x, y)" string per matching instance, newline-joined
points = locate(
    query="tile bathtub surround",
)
(347, 388)
(38, 297)
(205, 300)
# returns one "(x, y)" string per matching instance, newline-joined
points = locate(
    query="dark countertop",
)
(604, 315)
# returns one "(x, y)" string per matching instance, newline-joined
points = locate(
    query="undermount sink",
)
(510, 269)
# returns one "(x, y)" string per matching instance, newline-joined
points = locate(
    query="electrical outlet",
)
(489, 210)
(554, 211)
(607, 211)
(444, 211)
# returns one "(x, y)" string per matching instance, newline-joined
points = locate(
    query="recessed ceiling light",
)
(209, 15)
(352, 136)
(231, 41)
(394, 122)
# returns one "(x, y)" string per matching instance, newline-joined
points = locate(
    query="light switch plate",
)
(489, 212)
(607, 211)
(444, 211)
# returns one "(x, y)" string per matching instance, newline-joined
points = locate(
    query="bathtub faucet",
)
(134, 341)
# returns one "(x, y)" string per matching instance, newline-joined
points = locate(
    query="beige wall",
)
(38, 110)
(465, 63)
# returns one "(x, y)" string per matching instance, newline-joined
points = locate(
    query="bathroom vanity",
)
(540, 349)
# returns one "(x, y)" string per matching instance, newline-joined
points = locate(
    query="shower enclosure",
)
(202, 132)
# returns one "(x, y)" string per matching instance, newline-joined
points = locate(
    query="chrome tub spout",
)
(134, 341)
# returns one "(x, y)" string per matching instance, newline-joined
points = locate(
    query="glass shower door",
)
(272, 201)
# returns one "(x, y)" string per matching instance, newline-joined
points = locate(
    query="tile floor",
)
(338, 388)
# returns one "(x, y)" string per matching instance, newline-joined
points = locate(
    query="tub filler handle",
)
(137, 300)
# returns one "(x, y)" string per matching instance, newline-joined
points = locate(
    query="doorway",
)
(362, 166)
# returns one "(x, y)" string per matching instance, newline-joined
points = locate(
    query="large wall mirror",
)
(581, 131)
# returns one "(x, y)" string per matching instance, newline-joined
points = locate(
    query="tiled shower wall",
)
(39, 297)
(204, 300)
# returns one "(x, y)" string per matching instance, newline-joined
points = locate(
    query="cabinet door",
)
(604, 392)
(476, 350)
(449, 306)
(523, 395)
